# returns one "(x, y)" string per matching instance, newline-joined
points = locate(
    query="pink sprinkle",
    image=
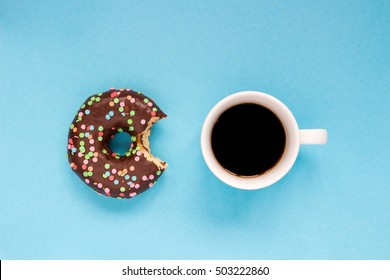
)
(85, 161)
(132, 185)
(111, 178)
(132, 168)
(75, 167)
(80, 154)
(150, 104)
(92, 148)
(69, 146)
(84, 166)
(132, 100)
(94, 159)
(100, 185)
(83, 126)
(127, 89)
(143, 121)
(80, 114)
(114, 171)
(70, 141)
(139, 153)
(151, 177)
(122, 104)
(91, 141)
(153, 113)
(133, 194)
(144, 178)
(87, 181)
(150, 185)
(122, 194)
(106, 190)
(136, 186)
(136, 158)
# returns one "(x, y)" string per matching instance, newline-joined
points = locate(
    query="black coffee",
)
(248, 139)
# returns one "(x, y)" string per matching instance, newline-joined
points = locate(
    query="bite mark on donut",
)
(145, 145)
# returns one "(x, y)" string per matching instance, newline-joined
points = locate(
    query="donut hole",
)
(120, 143)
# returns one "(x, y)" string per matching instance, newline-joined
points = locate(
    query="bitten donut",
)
(95, 124)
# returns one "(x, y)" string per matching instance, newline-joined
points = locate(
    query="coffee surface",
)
(248, 139)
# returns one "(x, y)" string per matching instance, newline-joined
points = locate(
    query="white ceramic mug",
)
(294, 138)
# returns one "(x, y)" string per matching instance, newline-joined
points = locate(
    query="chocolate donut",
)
(95, 124)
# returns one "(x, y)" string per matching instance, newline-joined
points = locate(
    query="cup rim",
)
(292, 140)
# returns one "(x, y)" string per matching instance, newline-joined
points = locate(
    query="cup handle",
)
(313, 136)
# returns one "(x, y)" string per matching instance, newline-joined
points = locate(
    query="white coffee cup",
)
(294, 138)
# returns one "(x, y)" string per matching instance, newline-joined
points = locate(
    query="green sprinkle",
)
(97, 99)
(107, 166)
(120, 109)
(120, 129)
(146, 100)
(100, 128)
(154, 109)
(117, 157)
(87, 156)
(82, 143)
(72, 126)
(104, 151)
(85, 174)
(83, 106)
(100, 138)
(81, 134)
(116, 100)
(100, 94)
(133, 138)
(90, 154)
(92, 98)
(137, 148)
(122, 189)
(129, 121)
(131, 128)
(89, 102)
(90, 173)
(132, 113)
(133, 151)
(158, 172)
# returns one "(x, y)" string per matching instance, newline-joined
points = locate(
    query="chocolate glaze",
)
(98, 120)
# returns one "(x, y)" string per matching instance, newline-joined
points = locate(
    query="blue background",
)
(329, 62)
